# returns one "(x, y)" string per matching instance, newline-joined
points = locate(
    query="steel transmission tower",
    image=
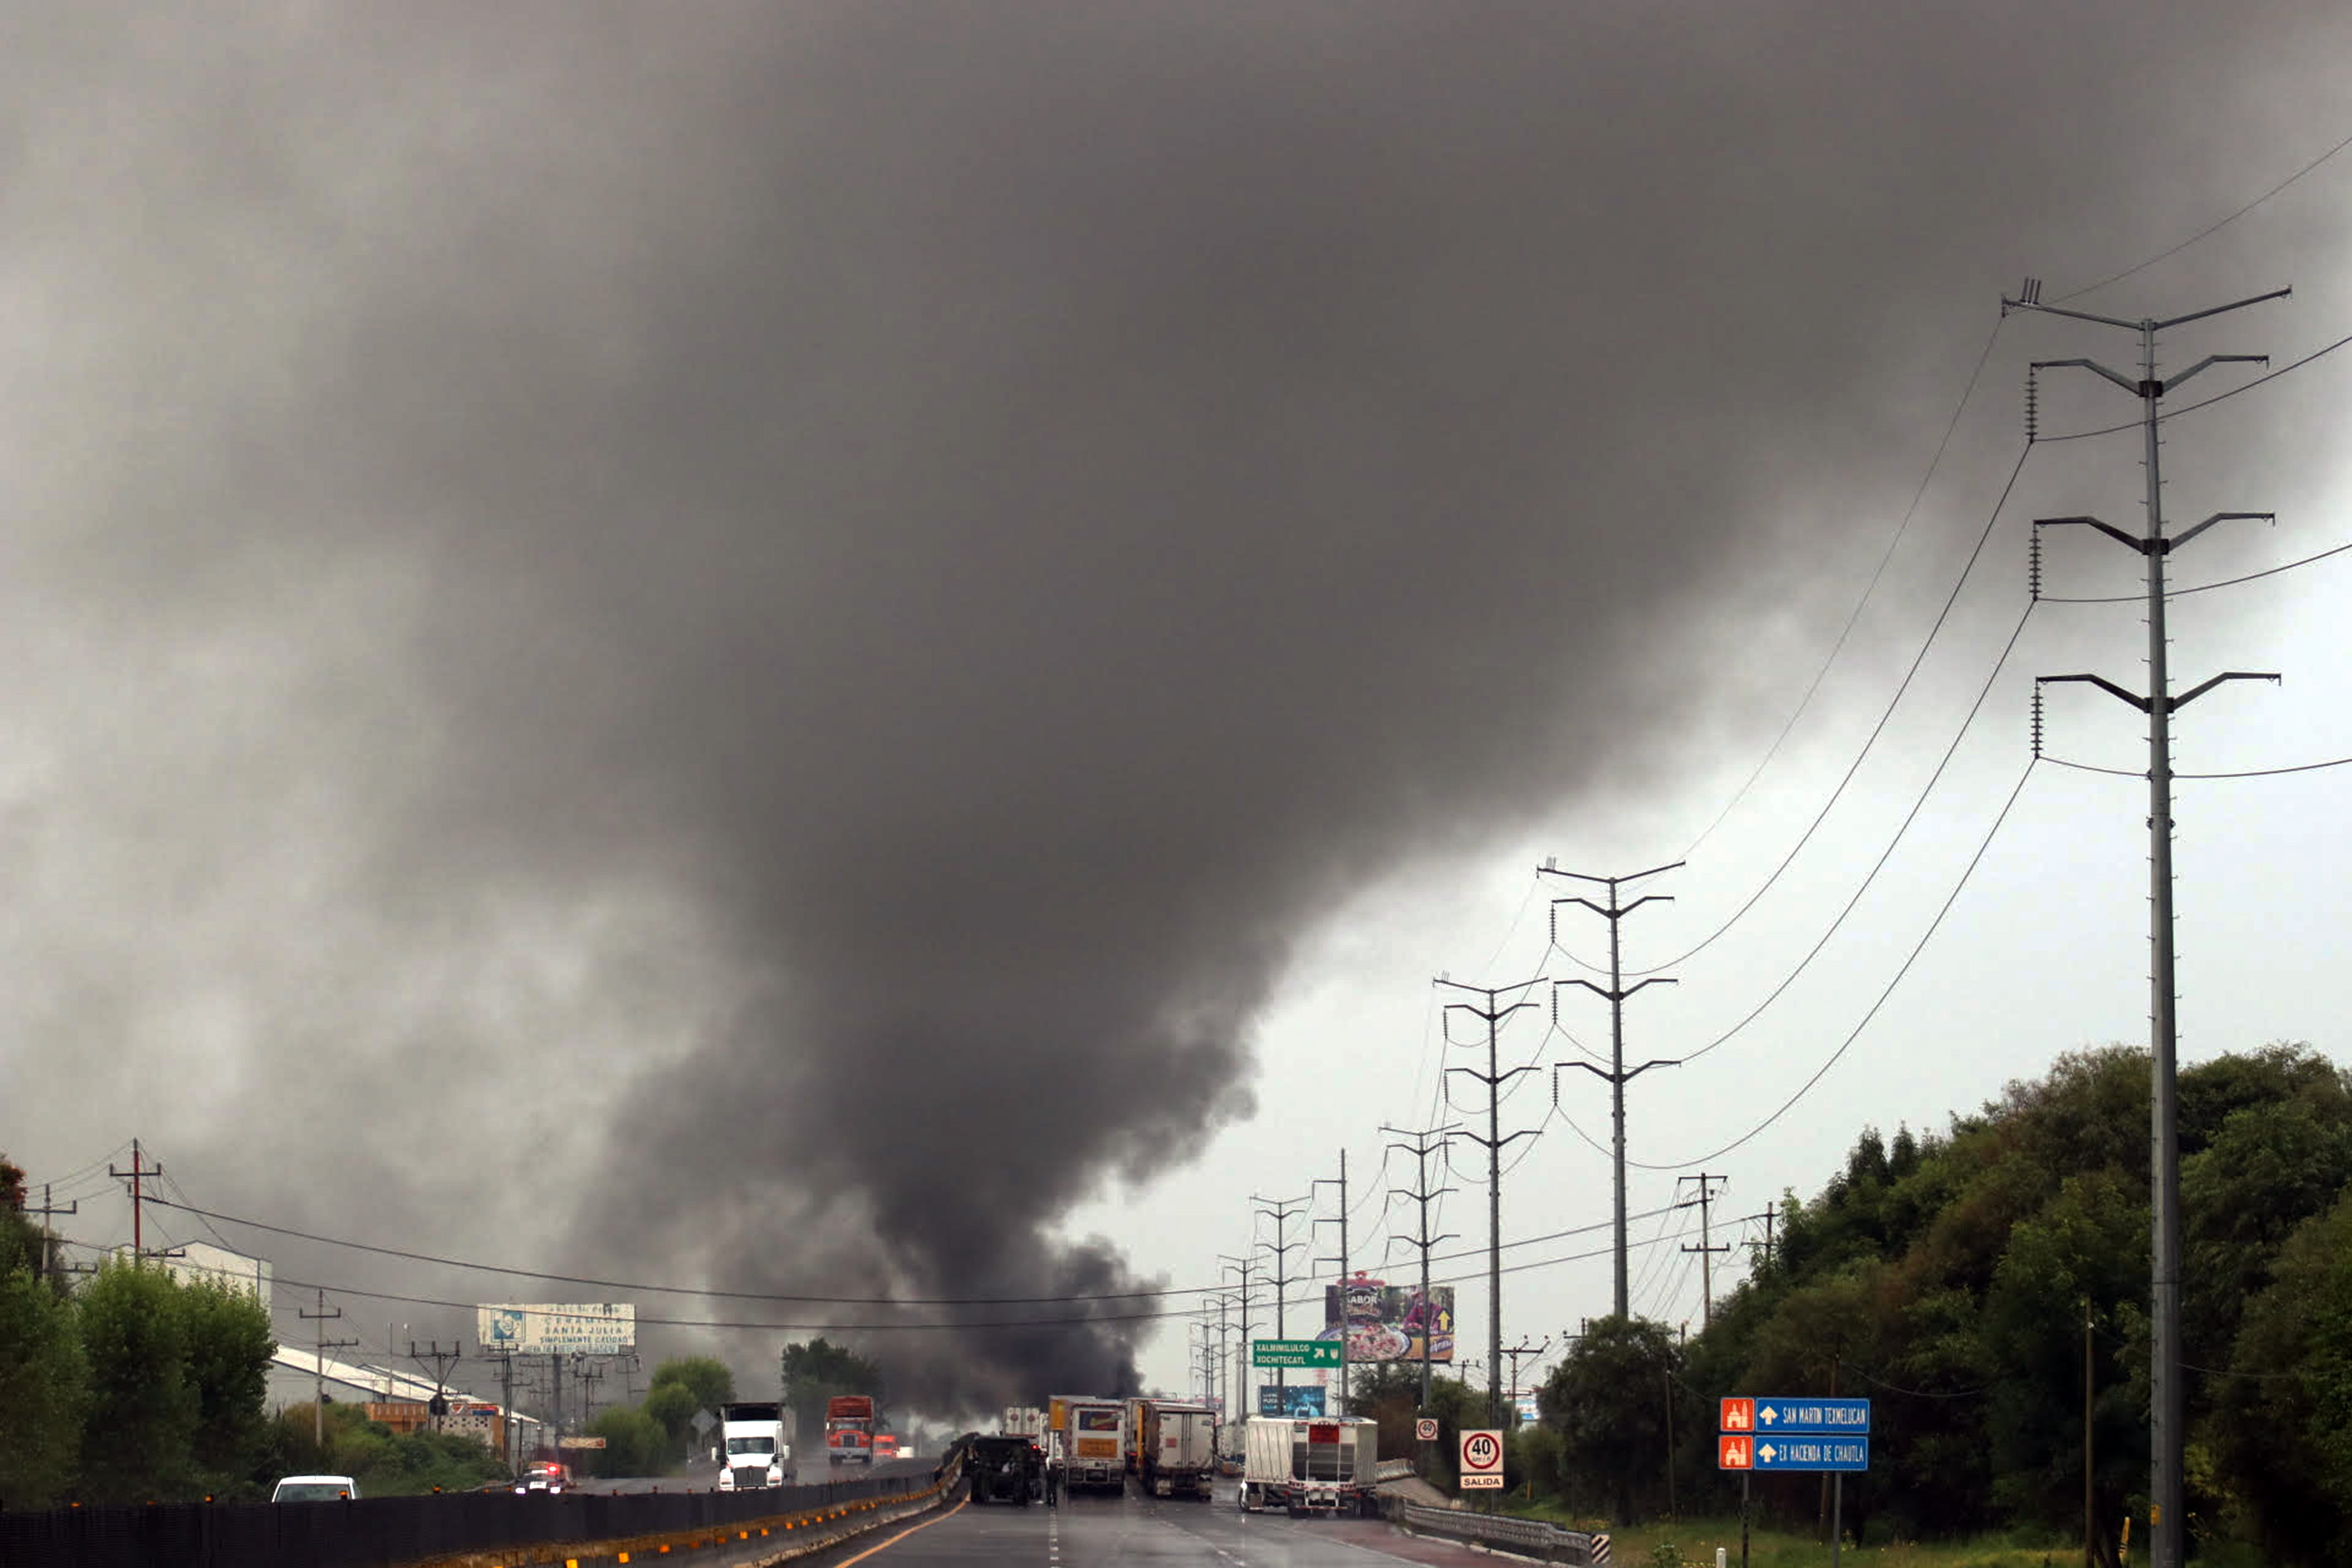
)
(2165, 1394)
(1423, 1146)
(1617, 1077)
(1342, 1261)
(1247, 1267)
(1280, 1211)
(1493, 1014)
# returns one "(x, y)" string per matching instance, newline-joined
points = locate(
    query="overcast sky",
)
(876, 649)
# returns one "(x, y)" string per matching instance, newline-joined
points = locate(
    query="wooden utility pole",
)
(1705, 1252)
(2090, 1530)
(324, 1344)
(138, 1169)
(44, 1264)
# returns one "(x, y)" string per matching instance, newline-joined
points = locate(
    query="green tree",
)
(140, 1431)
(229, 1344)
(634, 1444)
(2278, 1421)
(402, 1463)
(1608, 1401)
(704, 1378)
(20, 1238)
(815, 1372)
(42, 1385)
(671, 1406)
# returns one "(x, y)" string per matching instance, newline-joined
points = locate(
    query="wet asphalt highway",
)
(1091, 1532)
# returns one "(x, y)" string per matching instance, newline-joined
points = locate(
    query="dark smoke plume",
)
(774, 619)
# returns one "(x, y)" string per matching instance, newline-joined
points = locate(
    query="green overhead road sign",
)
(1294, 1353)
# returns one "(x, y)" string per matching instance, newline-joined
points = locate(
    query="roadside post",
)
(1480, 1462)
(1779, 1433)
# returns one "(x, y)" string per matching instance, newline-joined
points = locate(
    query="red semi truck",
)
(849, 1420)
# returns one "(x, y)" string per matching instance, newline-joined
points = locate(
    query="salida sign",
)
(1482, 1461)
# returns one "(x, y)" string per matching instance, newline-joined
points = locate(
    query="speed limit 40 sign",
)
(1425, 1429)
(1482, 1461)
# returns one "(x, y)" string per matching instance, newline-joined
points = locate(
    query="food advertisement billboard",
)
(1387, 1323)
(603, 1329)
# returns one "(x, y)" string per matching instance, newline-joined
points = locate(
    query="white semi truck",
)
(1309, 1465)
(755, 1451)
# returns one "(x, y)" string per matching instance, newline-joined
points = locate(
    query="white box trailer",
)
(1312, 1465)
(1179, 1450)
(1094, 1444)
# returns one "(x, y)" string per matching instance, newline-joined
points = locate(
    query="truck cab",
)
(849, 1422)
(754, 1454)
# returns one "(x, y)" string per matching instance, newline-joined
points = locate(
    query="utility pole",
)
(2090, 1547)
(442, 1361)
(1245, 1266)
(137, 1233)
(46, 1264)
(510, 1424)
(1617, 1077)
(1515, 1352)
(1493, 1014)
(1341, 1290)
(588, 1375)
(2166, 1412)
(1280, 1210)
(1705, 1253)
(322, 1316)
(1422, 1145)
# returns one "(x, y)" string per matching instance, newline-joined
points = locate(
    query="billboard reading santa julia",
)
(1388, 1322)
(598, 1328)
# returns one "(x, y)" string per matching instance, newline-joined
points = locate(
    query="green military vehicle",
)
(1005, 1468)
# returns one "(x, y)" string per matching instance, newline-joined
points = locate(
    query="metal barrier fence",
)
(1392, 1469)
(1527, 1537)
(384, 1532)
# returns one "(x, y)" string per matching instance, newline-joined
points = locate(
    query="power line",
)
(2209, 229)
(1302, 1303)
(652, 1288)
(1876, 730)
(1868, 589)
(1886, 854)
(2217, 397)
(1855, 1034)
(2246, 773)
(2200, 589)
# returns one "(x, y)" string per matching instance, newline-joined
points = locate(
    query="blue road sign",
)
(1845, 1417)
(1811, 1453)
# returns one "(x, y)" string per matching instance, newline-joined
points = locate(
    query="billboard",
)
(1272, 1400)
(1387, 1323)
(609, 1328)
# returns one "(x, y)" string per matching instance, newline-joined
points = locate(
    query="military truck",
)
(1005, 1468)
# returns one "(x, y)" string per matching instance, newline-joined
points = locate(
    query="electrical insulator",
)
(2037, 720)
(2032, 408)
(2033, 568)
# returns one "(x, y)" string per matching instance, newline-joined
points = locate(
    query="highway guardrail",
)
(1525, 1537)
(485, 1528)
